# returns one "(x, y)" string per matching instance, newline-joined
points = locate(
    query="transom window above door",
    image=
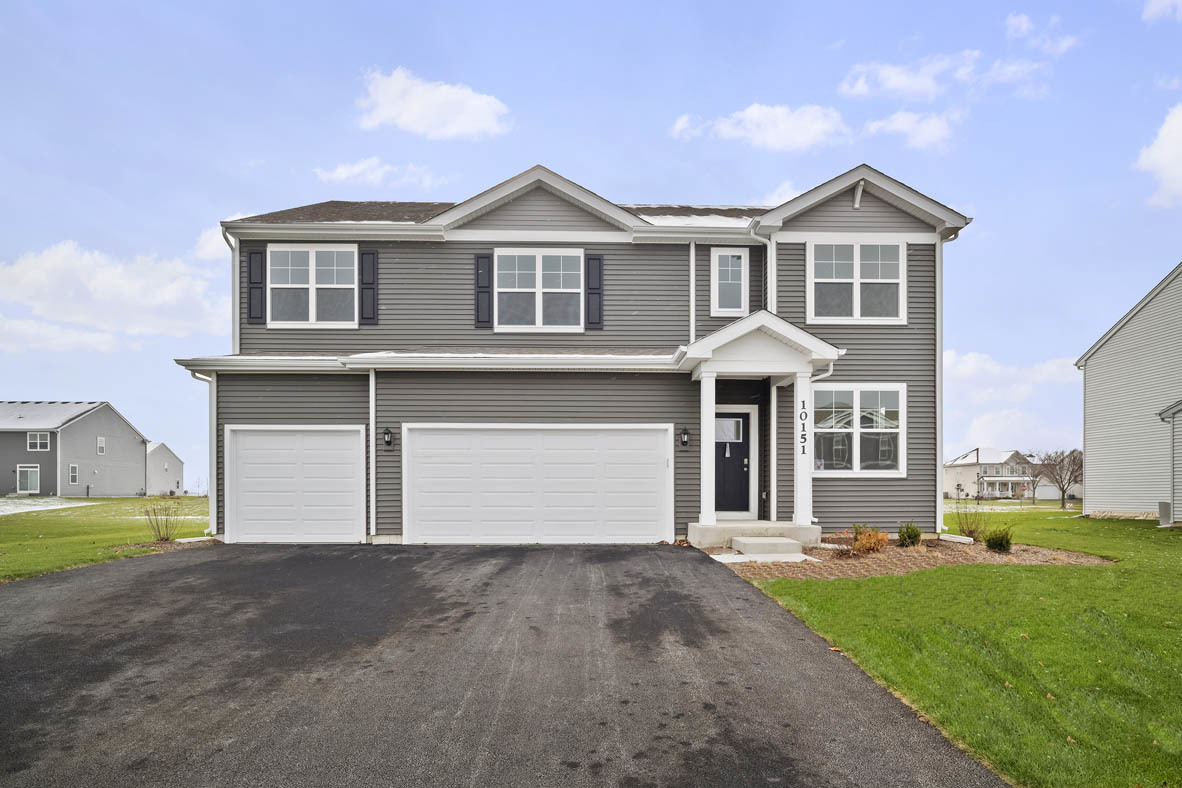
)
(539, 290)
(857, 283)
(730, 289)
(312, 285)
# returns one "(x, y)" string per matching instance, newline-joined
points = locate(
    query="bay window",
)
(312, 285)
(538, 290)
(860, 429)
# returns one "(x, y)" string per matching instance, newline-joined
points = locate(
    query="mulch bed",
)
(895, 560)
(169, 547)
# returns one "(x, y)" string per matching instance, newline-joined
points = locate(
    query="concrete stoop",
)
(764, 549)
(723, 534)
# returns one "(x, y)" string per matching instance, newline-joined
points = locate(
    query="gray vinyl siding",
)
(539, 209)
(1127, 382)
(122, 471)
(877, 354)
(838, 214)
(426, 298)
(14, 451)
(537, 397)
(288, 399)
(1176, 466)
(702, 282)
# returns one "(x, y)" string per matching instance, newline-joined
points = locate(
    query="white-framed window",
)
(166, 467)
(860, 429)
(851, 281)
(37, 441)
(28, 479)
(73, 474)
(730, 281)
(538, 290)
(100, 446)
(312, 286)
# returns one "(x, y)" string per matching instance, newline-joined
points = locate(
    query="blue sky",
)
(132, 129)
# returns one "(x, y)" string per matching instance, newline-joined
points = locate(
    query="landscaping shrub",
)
(909, 535)
(867, 540)
(999, 539)
(164, 520)
(970, 521)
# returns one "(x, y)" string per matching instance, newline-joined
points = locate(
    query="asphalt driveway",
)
(444, 666)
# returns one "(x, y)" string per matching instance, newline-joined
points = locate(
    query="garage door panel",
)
(555, 483)
(295, 484)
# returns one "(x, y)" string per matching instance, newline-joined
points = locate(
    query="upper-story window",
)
(312, 285)
(730, 277)
(860, 429)
(100, 445)
(857, 283)
(539, 290)
(37, 441)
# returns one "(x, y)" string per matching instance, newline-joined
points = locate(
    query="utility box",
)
(1165, 513)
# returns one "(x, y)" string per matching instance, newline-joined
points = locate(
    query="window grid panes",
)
(73, 474)
(313, 285)
(541, 289)
(37, 441)
(101, 445)
(729, 271)
(857, 281)
(870, 442)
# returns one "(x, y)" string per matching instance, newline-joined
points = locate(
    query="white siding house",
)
(166, 472)
(1132, 377)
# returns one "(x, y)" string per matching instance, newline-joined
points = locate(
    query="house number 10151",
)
(804, 430)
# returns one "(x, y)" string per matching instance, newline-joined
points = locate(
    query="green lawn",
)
(1056, 676)
(35, 543)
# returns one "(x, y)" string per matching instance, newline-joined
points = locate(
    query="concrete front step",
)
(721, 534)
(765, 545)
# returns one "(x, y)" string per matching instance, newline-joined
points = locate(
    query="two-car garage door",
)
(461, 483)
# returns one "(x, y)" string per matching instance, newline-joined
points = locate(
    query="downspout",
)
(212, 481)
(769, 262)
(235, 290)
(693, 294)
(58, 462)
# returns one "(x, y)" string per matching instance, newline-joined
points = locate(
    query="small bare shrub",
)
(164, 520)
(867, 540)
(970, 521)
(909, 535)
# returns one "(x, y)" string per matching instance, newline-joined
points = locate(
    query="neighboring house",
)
(166, 472)
(70, 449)
(988, 473)
(538, 364)
(1132, 387)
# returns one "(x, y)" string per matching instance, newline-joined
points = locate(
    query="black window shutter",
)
(484, 291)
(594, 316)
(367, 288)
(256, 286)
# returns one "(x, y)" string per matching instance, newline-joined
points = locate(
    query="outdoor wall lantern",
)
(388, 437)
(683, 438)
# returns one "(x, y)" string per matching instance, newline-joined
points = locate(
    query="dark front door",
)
(732, 462)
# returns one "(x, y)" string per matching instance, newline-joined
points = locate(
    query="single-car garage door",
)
(544, 483)
(295, 483)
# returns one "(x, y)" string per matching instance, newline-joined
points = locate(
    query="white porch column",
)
(802, 450)
(707, 516)
(773, 455)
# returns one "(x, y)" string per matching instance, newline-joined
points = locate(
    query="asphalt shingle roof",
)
(18, 415)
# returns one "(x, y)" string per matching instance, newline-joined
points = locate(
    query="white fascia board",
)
(819, 349)
(727, 236)
(537, 175)
(539, 236)
(511, 362)
(334, 231)
(262, 364)
(1171, 276)
(880, 185)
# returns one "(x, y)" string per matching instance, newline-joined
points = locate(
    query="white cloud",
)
(1055, 46)
(685, 127)
(925, 79)
(374, 172)
(782, 128)
(1162, 9)
(780, 195)
(144, 296)
(920, 130)
(994, 404)
(18, 335)
(1163, 159)
(436, 110)
(210, 244)
(1018, 26)
(1022, 75)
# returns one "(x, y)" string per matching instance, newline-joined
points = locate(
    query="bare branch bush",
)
(164, 520)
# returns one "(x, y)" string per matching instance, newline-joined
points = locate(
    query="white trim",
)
(693, 291)
(373, 453)
(817, 349)
(236, 296)
(230, 470)
(857, 241)
(262, 364)
(707, 396)
(752, 511)
(312, 287)
(334, 231)
(72, 473)
(28, 440)
(27, 467)
(538, 290)
(772, 265)
(57, 464)
(802, 462)
(773, 454)
(100, 445)
(940, 384)
(744, 254)
(855, 430)
(666, 427)
(212, 482)
(538, 236)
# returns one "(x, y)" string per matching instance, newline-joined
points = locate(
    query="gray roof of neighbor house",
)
(19, 416)
(153, 445)
(984, 456)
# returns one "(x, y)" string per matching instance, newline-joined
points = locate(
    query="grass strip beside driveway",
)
(37, 542)
(1056, 676)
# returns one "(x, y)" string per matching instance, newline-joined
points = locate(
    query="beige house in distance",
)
(989, 473)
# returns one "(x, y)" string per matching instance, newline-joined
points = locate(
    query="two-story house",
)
(989, 473)
(539, 364)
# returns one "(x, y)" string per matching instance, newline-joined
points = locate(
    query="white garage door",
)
(295, 484)
(480, 484)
